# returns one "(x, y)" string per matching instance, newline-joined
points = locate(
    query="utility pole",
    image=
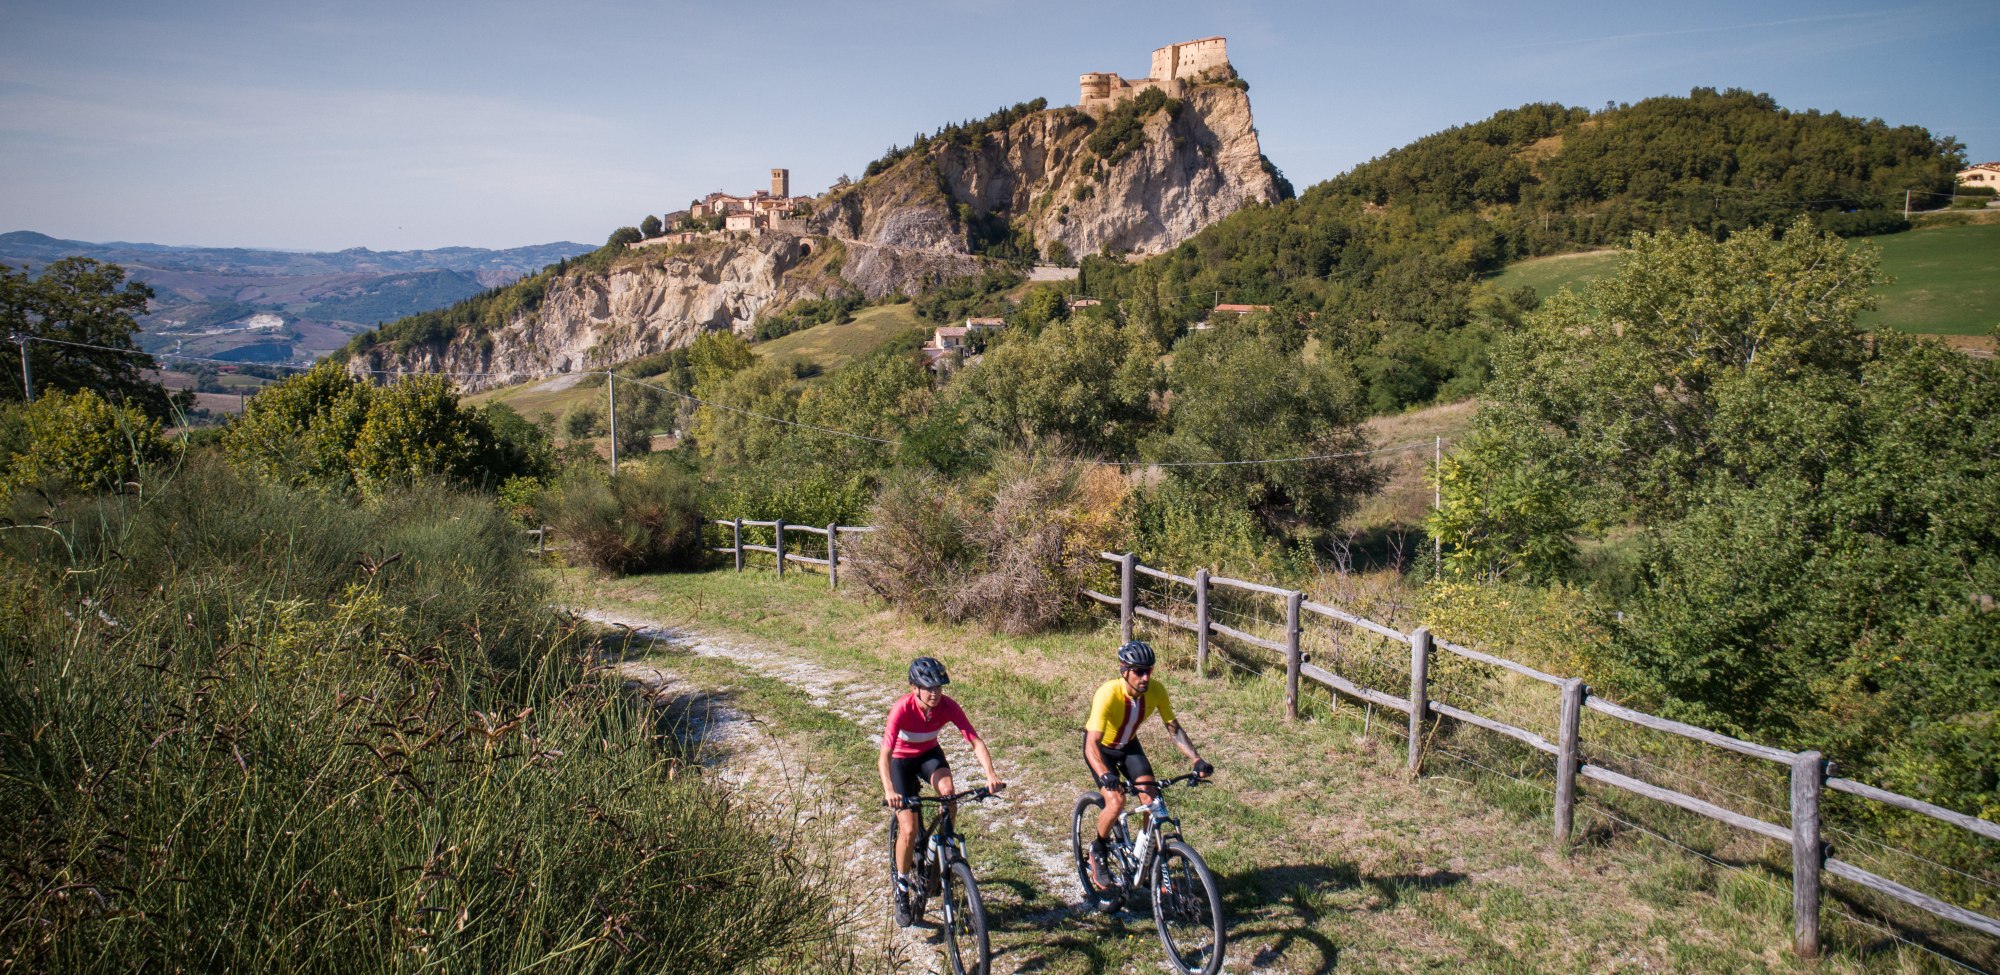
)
(611, 396)
(27, 375)
(1437, 504)
(1906, 204)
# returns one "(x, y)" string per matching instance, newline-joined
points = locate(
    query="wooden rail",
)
(1810, 858)
(1808, 771)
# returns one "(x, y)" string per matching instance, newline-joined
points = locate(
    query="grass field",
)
(831, 346)
(1329, 857)
(1946, 280)
(545, 397)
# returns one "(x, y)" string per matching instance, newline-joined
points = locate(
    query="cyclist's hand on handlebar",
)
(995, 786)
(893, 801)
(1108, 780)
(1203, 769)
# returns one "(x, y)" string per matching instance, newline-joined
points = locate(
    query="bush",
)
(646, 519)
(301, 735)
(326, 428)
(1008, 554)
(76, 441)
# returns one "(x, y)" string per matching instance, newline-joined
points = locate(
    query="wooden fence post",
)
(1201, 622)
(736, 537)
(542, 542)
(1420, 665)
(1127, 595)
(1292, 656)
(832, 557)
(1568, 756)
(1808, 777)
(778, 532)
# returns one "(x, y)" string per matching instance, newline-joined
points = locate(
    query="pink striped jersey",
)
(911, 734)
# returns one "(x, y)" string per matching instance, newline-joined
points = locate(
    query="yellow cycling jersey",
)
(1115, 719)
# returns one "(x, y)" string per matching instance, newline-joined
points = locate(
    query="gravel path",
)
(747, 756)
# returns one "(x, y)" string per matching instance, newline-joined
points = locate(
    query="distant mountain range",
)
(244, 304)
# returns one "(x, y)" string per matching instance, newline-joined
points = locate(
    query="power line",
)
(761, 416)
(751, 413)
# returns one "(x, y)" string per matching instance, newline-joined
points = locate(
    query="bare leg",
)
(906, 838)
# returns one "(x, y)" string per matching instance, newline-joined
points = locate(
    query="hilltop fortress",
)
(1173, 67)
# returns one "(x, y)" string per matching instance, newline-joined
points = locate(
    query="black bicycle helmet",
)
(926, 672)
(1136, 654)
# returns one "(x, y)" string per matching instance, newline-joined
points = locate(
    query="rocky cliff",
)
(1198, 161)
(654, 299)
(1049, 178)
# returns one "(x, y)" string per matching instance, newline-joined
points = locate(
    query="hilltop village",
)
(1175, 69)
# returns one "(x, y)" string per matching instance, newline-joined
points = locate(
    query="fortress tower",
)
(1189, 59)
(1174, 66)
(781, 183)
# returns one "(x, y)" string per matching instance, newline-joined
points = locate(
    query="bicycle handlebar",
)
(1190, 778)
(972, 795)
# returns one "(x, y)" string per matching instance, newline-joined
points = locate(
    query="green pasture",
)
(1943, 280)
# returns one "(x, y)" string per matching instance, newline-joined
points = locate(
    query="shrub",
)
(78, 441)
(645, 519)
(1007, 553)
(416, 430)
(301, 735)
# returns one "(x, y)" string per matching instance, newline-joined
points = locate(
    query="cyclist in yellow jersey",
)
(1111, 742)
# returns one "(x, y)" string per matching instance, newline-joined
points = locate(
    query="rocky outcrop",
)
(652, 302)
(903, 230)
(1199, 161)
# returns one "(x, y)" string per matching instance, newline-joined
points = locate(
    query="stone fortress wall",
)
(1173, 67)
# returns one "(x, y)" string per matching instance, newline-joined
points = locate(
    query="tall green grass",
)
(245, 728)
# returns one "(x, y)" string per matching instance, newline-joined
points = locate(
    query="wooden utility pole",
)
(27, 376)
(611, 398)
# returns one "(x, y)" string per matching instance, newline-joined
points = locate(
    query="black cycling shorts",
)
(908, 775)
(1130, 760)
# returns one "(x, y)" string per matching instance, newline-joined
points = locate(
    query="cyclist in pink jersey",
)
(911, 756)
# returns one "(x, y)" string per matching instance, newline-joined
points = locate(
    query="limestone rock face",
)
(903, 230)
(590, 320)
(1197, 164)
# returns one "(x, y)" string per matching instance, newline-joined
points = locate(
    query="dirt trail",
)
(751, 758)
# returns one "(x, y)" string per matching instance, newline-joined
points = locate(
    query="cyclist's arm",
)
(1091, 756)
(882, 762)
(986, 762)
(1182, 741)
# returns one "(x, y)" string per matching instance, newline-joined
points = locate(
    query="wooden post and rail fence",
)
(1809, 773)
(833, 561)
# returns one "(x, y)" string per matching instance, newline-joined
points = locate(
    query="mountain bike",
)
(938, 869)
(1187, 909)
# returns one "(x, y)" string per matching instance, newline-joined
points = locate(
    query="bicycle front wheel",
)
(1082, 832)
(964, 922)
(1188, 910)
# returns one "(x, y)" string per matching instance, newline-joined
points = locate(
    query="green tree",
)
(1623, 382)
(1239, 394)
(300, 431)
(650, 228)
(714, 356)
(88, 303)
(1086, 382)
(623, 236)
(416, 430)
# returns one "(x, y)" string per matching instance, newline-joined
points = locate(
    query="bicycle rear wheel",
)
(1188, 910)
(964, 922)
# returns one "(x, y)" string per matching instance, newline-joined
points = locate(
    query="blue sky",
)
(497, 124)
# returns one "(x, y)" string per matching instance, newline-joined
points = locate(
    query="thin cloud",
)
(1688, 31)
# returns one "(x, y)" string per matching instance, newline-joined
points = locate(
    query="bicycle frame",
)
(938, 840)
(1137, 852)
